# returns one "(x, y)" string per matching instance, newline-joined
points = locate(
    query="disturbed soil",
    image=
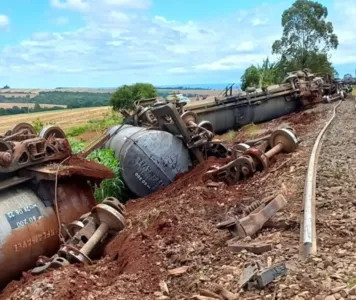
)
(171, 248)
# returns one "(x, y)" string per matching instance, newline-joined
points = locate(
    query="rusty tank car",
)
(37, 194)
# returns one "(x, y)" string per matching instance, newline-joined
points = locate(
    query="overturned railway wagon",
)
(37, 195)
(260, 105)
(237, 111)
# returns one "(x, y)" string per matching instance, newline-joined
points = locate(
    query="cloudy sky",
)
(106, 43)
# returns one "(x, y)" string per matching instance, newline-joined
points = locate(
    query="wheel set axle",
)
(86, 236)
(249, 159)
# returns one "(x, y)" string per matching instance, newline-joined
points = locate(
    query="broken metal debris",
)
(247, 160)
(83, 236)
(254, 221)
(255, 276)
(256, 248)
(248, 274)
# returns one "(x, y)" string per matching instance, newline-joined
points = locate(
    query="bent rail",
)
(308, 230)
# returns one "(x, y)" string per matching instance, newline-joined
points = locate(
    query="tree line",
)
(306, 40)
(83, 99)
(21, 110)
(70, 99)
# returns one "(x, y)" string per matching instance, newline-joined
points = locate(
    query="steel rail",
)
(308, 230)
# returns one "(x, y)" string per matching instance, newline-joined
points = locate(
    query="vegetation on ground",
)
(306, 41)
(71, 99)
(26, 109)
(230, 136)
(125, 96)
(110, 119)
(38, 125)
(114, 187)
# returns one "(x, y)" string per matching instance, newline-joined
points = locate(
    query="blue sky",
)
(106, 43)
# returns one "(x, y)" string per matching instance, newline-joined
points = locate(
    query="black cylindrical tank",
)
(149, 159)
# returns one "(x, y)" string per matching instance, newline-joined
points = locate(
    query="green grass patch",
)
(110, 120)
(230, 136)
(353, 92)
(351, 282)
(250, 130)
(38, 124)
(114, 187)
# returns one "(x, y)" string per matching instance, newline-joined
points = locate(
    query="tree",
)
(125, 96)
(263, 75)
(37, 107)
(306, 33)
(316, 62)
(251, 77)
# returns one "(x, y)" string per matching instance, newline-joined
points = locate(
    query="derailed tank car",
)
(42, 187)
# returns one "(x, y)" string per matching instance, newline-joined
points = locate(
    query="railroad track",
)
(328, 205)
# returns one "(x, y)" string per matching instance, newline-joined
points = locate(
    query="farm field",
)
(35, 92)
(63, 118)
(31, 105)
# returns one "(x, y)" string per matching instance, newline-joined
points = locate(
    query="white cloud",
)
(134, 4)
(343, 14)
(233, 62)
(4, 21)
(78, 5)
(119, 16)
(177, 70)
(258, 21)
(246, 46)
(40, 36)
(160, 19)
(61, 21)
(85, 5)
(119, 43)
